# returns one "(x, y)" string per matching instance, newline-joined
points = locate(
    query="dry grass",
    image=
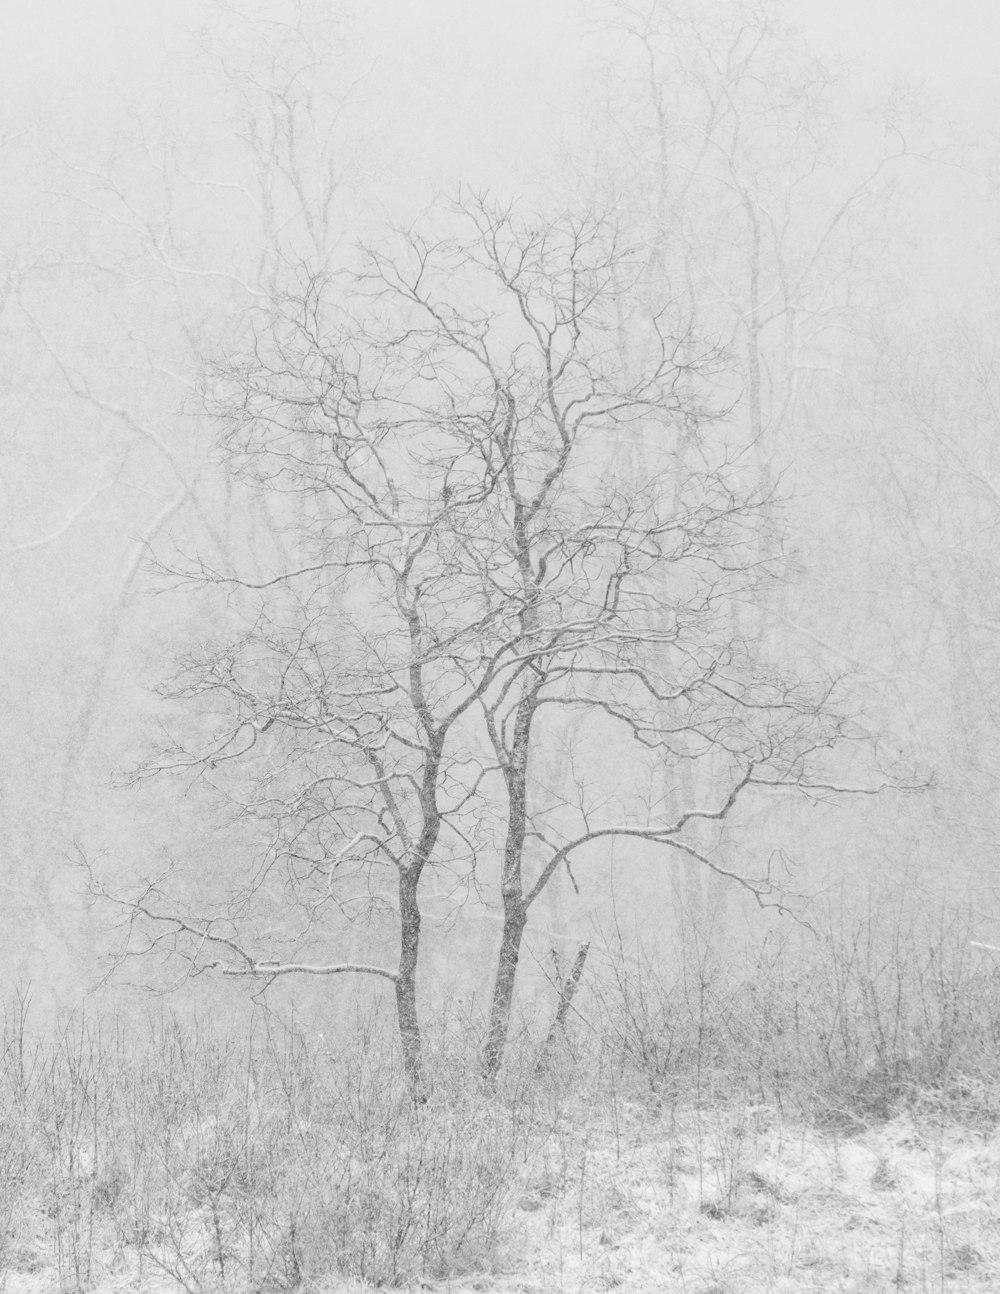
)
(824, 1119)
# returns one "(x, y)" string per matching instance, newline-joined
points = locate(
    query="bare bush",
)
(848, 1027)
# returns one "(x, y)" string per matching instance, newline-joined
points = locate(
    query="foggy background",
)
(134, 242)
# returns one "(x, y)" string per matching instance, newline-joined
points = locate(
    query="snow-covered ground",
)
(736, 1201)
(729, 1200)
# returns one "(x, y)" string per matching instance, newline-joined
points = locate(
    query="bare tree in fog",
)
(479, 579)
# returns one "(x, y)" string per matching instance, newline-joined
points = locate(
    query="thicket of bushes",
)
(269, 1161)
(842, 1029)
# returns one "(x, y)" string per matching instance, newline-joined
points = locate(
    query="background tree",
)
(138, 241)
(769, 201)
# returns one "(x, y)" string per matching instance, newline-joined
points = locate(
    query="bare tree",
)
(478, 579)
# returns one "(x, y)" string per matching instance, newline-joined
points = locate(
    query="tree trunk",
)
(406, 986)
(515, 918)
(515, 911)
(567, 991)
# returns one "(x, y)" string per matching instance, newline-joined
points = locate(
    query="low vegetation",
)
(820, 1118)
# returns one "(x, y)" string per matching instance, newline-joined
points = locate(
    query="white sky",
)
(950, 43)
(473, 86)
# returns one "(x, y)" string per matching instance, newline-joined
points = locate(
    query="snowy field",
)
(738, 1202)
(734, 1200)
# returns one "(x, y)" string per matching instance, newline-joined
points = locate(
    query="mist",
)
(140, 242)
(497, 525)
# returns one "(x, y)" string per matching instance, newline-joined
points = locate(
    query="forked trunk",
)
(567, 991)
